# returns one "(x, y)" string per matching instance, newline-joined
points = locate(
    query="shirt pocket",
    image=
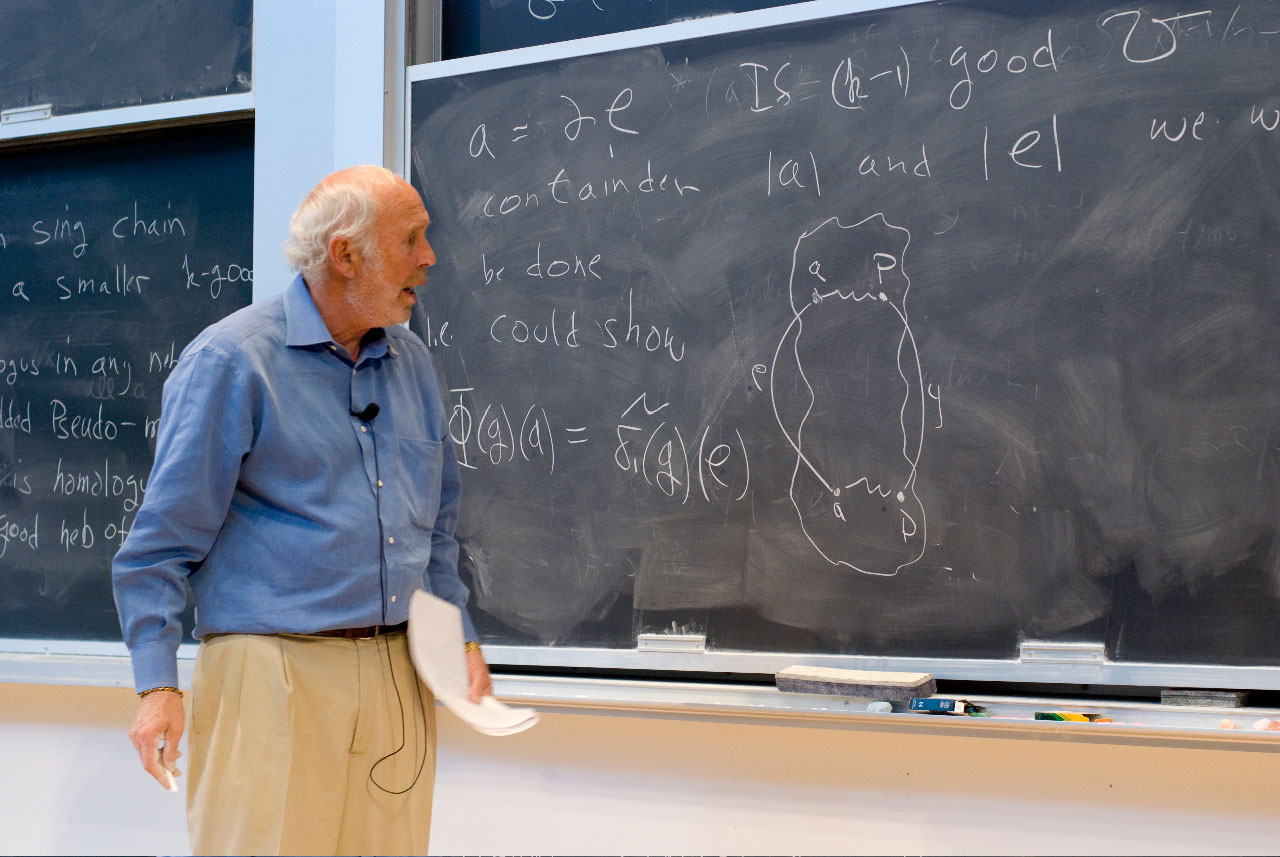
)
(421, 461)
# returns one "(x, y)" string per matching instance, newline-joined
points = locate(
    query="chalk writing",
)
(1160, 129)
(1026, 150)
(555, 268)
(853, 277)
(653, 447)
(496, 439)
(133, 225)
(14, 415)
(566, 188)
(543, 10)
(216, 277)
(437, 333)
(641, 335)
(100, 482)
(90, 330)
(21, 533)
(1259, 116)
(1159, 37)
(990, 61)
(506, 329)
(123, 284)
(61, 229)
(860, 330)
(789, 175)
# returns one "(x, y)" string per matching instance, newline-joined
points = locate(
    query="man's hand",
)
(478, 670)
(160, 718)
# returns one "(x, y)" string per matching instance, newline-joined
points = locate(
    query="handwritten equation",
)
(643, 443)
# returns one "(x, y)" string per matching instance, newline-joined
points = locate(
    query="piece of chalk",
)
(1224, 723)
(880, 706)
(161, 741)
(1266, 725)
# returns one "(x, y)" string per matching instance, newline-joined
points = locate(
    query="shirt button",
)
(379, 483)
(364, 428)
(391, 540)
(393, 599)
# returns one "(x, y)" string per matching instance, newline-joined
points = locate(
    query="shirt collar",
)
(305, 327)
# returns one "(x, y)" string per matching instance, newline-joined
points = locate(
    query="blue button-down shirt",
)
(266, 492)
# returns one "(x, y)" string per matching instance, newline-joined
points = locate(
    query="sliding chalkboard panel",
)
(471, 27)
(79, 55)
(921, 332)
(113, 255)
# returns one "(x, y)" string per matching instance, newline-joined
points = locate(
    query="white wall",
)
(611, 784)
(582, 783)
(318, 106)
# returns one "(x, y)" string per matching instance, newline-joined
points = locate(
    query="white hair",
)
(345, 204)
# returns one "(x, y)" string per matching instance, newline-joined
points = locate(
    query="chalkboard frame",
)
(97, 662)
(302, 66)
(123, 119)
(48, 121)
(1037, 663)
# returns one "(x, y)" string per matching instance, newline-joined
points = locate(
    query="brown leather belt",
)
(361, 633)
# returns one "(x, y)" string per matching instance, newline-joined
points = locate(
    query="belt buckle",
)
(375, 629)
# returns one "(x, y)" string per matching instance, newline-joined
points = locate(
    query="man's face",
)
(382, 292)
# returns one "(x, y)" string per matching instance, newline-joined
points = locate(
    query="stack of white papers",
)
(438, 650)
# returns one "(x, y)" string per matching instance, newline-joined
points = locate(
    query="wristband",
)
(143, 693)
(472, 646)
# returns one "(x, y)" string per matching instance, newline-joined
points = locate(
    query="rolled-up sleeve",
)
(205, 430)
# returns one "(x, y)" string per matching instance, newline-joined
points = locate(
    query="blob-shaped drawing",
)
(849, 395)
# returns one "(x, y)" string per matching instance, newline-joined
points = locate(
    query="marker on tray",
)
(942, 705)
(1072, 717)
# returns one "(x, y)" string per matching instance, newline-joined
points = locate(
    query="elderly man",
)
(304, 486)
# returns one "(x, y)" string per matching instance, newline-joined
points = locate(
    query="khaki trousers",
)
(292, 747)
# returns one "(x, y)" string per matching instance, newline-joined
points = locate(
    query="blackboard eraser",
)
(1200, 696)
(867, 684)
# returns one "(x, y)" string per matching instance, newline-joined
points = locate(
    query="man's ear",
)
(344, 256)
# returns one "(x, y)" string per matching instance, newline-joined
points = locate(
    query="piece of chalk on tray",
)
(880, 706)
(1224, 723)
(1267, 725)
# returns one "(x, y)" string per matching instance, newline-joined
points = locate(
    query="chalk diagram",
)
(848, 392)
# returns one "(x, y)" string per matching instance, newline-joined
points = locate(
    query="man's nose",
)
(428, 254)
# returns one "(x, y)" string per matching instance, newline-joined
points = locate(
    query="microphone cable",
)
(367, 416)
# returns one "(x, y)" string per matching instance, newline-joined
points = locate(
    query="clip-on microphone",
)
(368, 413)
